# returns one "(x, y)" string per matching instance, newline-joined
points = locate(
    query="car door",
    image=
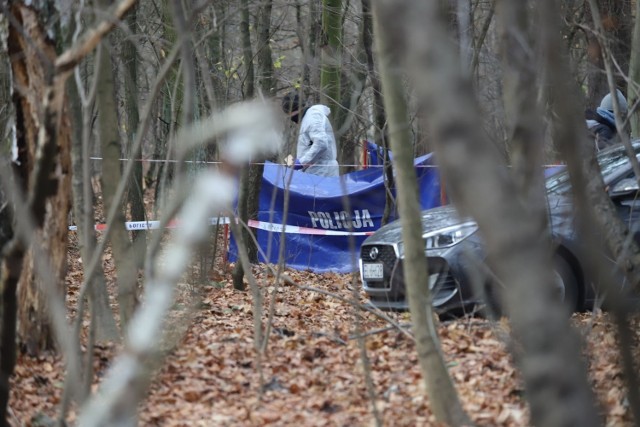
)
(627, 203)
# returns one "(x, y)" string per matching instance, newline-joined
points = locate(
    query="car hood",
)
(432, 219)
(561, 214)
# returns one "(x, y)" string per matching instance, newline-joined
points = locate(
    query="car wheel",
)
(565, 288)
(565, 283)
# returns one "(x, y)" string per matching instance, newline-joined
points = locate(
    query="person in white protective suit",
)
(316, 150)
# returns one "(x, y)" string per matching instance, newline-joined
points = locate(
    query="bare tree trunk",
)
(179, 12)
(8, 303)
(266, 78)
(480, 41)
(244, 191)
(309, 43)
(616, 18)
(242, 235)
(378, 105)
(465, 33)
(11, 267)
(438, 384)
(517, 240)
(43, 143)
(596, 212)
(136, 202)
(382, 139)
(83, 200)
(106, 328)
(332, 92)
(352, 86)
(6, 113)
(8, 297)
(597, 216)
(520, 100)
(331, 54)
(179, 101)
(218, 45)
(111, 174)
(267, 85)
(43, 149)
(171, 100)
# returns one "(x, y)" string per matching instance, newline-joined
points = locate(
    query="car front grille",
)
(386, 255)
(391, 290)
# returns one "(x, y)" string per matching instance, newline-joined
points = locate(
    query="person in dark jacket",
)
(602, 121)
(316, 151)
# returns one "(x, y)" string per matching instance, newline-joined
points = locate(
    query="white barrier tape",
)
(205, 162)
(149, 225)
(261, 225)
(272, 163)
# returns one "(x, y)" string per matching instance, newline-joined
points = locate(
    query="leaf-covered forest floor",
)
(312, 372)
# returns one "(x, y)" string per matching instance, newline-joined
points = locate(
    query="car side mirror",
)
(625, 188)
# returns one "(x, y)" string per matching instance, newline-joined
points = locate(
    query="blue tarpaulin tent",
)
(320, 203)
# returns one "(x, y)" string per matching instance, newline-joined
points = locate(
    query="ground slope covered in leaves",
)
(312, 372)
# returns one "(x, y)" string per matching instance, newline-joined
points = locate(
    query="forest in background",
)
(481, 83)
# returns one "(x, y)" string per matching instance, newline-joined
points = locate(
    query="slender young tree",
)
(267, 86)
(331, 54)
(111, 147)
(309, 41)
(135, 194)
(333, 92)
(438, 384)
(244, 192)
(173, 103)
(520, 94)
(83, 202)
(382, 135)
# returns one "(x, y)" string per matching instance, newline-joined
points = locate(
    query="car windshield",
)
(610, 162)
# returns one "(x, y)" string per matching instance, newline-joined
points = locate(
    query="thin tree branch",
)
(72, 56)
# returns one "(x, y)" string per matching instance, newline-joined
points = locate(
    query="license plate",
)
(372, 271)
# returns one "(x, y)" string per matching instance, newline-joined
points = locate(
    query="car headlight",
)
(447, 237)
(444, 237)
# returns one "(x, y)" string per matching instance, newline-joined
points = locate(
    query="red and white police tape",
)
(260, 225)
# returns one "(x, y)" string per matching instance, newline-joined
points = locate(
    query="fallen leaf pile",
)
(311, 372)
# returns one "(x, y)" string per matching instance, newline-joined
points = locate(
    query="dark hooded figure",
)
(316, 150)
(602, 121)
